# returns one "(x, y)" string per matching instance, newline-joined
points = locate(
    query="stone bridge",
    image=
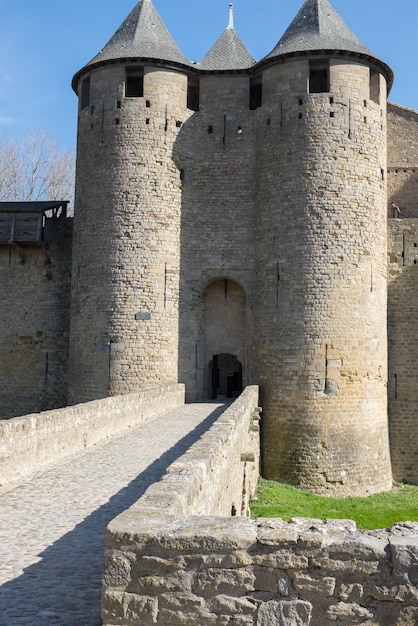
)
(168, 486)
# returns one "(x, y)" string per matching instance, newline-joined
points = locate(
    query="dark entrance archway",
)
(225, 338)
(225, 376)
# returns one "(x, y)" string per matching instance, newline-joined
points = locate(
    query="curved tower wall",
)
(321, 278)
(124, 318)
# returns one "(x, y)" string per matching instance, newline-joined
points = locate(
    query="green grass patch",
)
(378, 511)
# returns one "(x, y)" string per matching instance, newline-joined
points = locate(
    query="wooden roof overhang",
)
(23, 222)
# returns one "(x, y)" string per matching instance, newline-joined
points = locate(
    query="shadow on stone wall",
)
(64, 588)
(218, 187)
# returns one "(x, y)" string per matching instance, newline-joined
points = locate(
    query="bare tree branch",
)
(32, 167)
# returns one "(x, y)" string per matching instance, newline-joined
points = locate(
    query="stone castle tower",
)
(320, 229)
(231, 228)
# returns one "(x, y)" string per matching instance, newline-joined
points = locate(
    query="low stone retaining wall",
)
(217, 474)
(206, 571)
(32, 442)
(178, 558)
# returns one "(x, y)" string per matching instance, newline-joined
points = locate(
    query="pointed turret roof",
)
(229, 52)
(319, 28)
(142, 35)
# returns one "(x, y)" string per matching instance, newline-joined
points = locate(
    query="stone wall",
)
(402, 291)
(216, 476)
(178, 558)
(31, 443)
(320, 289)
(403, 159)
(125, 283)
(169, 570)
(403, 347)
(34, 314)
(216, 151)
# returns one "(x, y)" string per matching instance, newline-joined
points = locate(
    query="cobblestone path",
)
(51, 527)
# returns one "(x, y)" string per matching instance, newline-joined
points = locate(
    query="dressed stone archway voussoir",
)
(241, 277)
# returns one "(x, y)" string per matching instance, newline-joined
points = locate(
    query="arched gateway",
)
(224, 337)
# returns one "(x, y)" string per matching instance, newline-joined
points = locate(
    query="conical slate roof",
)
(142, 35)
(228, 52)
(318, 27)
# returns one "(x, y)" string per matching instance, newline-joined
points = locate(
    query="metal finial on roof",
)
(231, 15)
(229, 53)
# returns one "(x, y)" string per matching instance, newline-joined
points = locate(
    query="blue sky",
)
(43, 43)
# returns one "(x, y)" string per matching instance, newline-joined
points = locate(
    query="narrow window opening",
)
(118, 104)
(300, 102)
(165, 285)
(300, 116)
(365, 103)
(85, 93)
(382, 173)
(326, 380)
(239, 130)
(92, 110)
(179, 124)
(268, 122)
(365, 120)
(375, 86)
(148, 104)
(134, 82)
(256, 92)
(318, 76)
(117, 121)
(147, 120)
(332, 114)
(331, 100)
(210, 129)
(193, 94)
(182, 175)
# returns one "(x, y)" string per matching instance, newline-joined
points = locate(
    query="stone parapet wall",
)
(403, 159)
(402, 136)
(403, 347)
(212, 571)
(32, 442)
(216, 476)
